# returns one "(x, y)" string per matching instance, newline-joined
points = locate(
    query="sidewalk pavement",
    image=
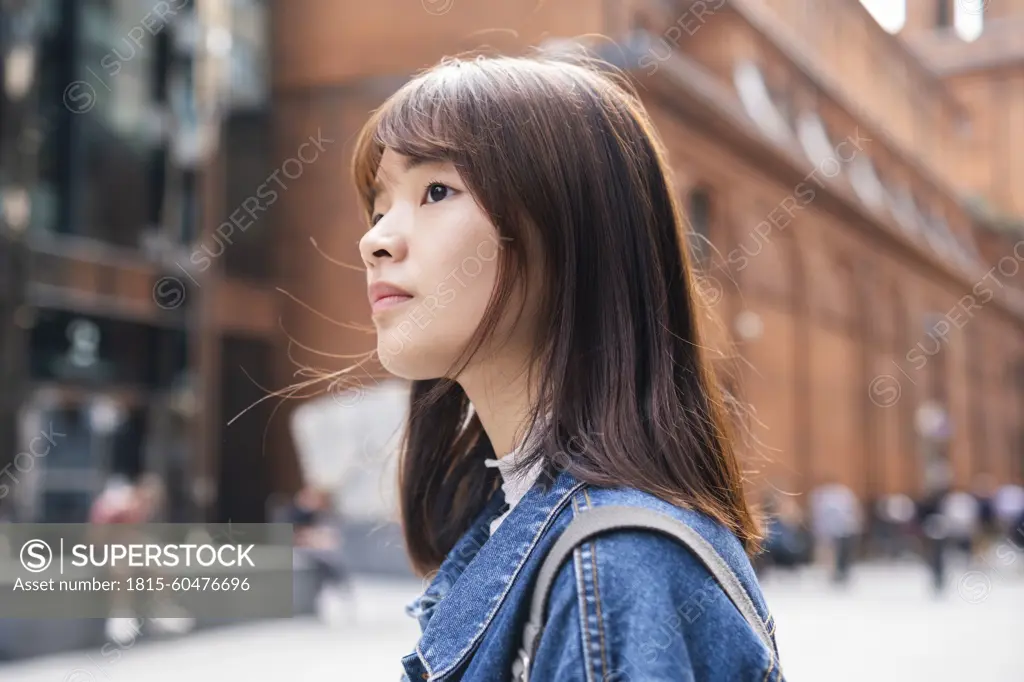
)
(885, 627)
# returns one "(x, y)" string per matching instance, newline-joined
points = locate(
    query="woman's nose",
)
(380, 243)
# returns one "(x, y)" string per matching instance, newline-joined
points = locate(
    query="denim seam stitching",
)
(582, 599)
(597, 601)
(771, 653)
(423, 662)
(771, 666)
(555, 510)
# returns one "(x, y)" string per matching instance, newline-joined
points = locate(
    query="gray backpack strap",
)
(600, 519)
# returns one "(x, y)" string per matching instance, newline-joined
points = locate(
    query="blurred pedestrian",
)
(961, 514)
(837, 519)
(1016, 533)
(117, 514)
(150, 499)
(318, 539)
(115, 503)
(151, 507)
(1008, 506)
(933, 532)
(984, 491)
(787, 544)
(894, 514)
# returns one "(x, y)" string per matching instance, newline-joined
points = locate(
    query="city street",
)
(885, 627)
(776, 269)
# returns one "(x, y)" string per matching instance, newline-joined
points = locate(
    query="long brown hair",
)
(561, 151)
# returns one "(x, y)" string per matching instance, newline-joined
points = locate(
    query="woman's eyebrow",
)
(413, 162)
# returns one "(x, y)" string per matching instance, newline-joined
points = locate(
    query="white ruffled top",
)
(514, 487)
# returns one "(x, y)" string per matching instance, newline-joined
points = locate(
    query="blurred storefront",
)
(127, 125)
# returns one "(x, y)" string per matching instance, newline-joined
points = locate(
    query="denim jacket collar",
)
(442, 580)
(484, 568)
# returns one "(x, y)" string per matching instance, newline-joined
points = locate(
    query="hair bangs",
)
(421, 120)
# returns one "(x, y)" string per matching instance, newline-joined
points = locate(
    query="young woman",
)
(527, 271)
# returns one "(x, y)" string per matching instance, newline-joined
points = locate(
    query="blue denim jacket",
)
(632, 606)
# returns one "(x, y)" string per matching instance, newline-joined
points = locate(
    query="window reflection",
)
(815, 139)
(119, 139)
(757, 101)
(89, 350)
(82, 456)
(865, 182)
(249, 58)
(901, 204)
(104, 79)
(247, 137)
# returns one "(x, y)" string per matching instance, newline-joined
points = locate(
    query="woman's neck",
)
(502, 398)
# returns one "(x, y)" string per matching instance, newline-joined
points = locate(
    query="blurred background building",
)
(176, 214)
(176, 202)
(128, 126)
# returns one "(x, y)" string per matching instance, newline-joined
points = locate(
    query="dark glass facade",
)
(107, 75)
(247, 139)
(100, 143)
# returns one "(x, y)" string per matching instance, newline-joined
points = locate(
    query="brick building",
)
(856, 190)
(176, 194)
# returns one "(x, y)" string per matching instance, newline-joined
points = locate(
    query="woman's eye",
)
(436, 192)
(376, 219)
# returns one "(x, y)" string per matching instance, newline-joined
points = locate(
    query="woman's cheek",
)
(445, 293)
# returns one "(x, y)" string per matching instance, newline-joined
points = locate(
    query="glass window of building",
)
(814, 139)
(969, 18)
(865, 182)
(757, 101)
(782, 92)
(104, 80)
(249, 60)
(903, 208)
(72, 348)
(247, 138)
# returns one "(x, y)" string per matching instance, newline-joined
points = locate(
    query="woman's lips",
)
(386, 302)
(384, 295)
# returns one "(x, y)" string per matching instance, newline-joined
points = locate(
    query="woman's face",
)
(431, 260)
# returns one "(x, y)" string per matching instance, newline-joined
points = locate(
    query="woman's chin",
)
(403, 366)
